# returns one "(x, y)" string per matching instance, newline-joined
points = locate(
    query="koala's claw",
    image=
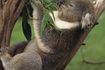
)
(3, 50)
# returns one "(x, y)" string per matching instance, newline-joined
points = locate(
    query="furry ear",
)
(87, 20)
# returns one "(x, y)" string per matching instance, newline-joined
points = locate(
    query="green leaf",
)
(43, 24)
(49, 6)
(25, 25)
(46, 21)
(26, 30)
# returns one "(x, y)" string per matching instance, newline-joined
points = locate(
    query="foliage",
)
(49, 6)
(25, 24)
(46, 21)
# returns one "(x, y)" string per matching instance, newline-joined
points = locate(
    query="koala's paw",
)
(3, 50)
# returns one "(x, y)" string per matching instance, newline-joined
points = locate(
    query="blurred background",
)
(93, 52)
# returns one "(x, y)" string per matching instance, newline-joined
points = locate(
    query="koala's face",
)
(73, 10)
(69, 13)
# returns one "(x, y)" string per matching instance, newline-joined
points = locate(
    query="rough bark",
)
(9, 12)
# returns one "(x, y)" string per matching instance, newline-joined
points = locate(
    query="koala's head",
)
(73, 10)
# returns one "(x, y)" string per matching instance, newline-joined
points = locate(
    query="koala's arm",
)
(18, 48)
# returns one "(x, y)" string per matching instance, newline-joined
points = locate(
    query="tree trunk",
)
(9, 13)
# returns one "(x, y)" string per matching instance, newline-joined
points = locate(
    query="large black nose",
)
(60, 2)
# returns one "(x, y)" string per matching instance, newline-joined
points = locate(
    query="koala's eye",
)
(72, 5)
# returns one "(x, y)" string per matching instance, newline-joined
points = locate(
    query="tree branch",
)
(9, 14)
(93, 63)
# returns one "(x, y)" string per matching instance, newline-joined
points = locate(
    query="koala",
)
(70, 19)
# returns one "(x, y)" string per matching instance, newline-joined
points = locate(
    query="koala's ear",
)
(87, 20)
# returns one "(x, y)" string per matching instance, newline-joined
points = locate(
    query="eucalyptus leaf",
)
(49, 6)
(46, 21)
(25, 25)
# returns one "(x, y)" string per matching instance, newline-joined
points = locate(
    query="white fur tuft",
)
(60, 24)
(86, 20)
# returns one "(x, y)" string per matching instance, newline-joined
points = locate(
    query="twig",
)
(93, 63)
